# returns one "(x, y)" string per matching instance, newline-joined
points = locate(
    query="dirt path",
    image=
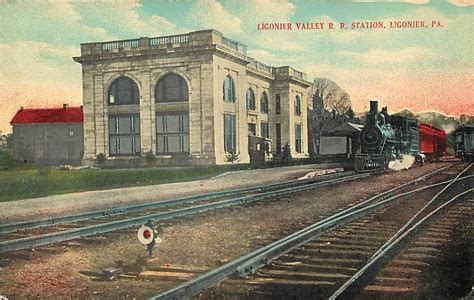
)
(205, 241)
(89, 201)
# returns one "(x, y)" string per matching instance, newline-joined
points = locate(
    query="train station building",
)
(189, 99)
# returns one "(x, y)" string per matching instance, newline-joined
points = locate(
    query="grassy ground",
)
(22, 181)
(21, 184)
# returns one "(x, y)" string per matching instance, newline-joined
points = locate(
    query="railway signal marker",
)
(145, 235)
(148, 235)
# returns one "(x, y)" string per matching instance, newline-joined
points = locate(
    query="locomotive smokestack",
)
(374, 107)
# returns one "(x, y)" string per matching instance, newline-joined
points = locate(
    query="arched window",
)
(298, 106)
(228, 89)
(123, 91)
(250, 99)
(172, 88)
(264, 103)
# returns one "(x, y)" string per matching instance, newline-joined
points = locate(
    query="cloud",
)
(29, 61)
(73, 23)
(365, 62)
(57, 23)
(210, 14)
(268, 11)
(462, 2)
(382, 56)
(271, 58)
(450, 92)
(123, 20)
(37, 74)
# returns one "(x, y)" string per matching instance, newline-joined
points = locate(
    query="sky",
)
(422, 69)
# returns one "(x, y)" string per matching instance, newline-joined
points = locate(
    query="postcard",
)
(236, 149)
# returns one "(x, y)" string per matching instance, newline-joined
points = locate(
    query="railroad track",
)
(329, 258)
(45, 222)
(405, 272)
(26, 235)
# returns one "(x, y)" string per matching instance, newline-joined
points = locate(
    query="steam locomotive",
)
(387, 137)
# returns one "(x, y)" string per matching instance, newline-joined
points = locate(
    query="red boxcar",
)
(432, 141)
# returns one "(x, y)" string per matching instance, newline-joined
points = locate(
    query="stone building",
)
(189, 99)
(48, 135)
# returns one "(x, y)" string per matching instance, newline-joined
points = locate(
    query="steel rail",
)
(423, 209)
(348, 289)
(49, 238)
(253, 261)
(46, 222)
(336, 220)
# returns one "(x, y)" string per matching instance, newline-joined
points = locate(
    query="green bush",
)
(232, 157)
(150, 158)
(100, 159)
(6, 160)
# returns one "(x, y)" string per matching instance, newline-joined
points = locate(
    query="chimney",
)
(65, 106)
(374, 107)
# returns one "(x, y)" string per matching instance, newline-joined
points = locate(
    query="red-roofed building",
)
(48, 135)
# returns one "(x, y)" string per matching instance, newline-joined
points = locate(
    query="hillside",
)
(449, 124)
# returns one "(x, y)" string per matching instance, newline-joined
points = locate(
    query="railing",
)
(127, 44)
(164, 40)
(264, 67)
(260, 66)
(299, 74)
(241, 48)
(288, 71)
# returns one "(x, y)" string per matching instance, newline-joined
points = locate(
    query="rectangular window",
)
(172, 132)
(297, 106)
(264, 130)
(229, 133)
(278, 138)
(298, 138)
(277, 104)
(124, 134)
(252, 129)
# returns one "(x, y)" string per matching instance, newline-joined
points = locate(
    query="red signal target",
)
(145, 235)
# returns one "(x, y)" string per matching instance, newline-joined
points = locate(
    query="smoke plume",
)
(402, 164)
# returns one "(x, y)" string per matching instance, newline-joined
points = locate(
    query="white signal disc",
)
(145, 235)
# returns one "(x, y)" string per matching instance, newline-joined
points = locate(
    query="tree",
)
(333, 97)
(330, 101)
(350, 114)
